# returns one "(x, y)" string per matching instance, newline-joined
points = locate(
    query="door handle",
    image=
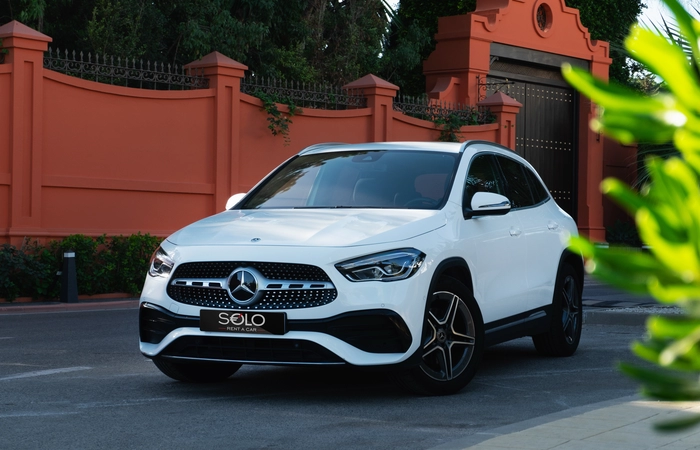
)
(515, 232)
(552, 225)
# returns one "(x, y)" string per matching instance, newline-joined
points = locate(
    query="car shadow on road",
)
(340, 383)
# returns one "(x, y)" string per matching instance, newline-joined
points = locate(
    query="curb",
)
(634, 316)
(612, 317)
(55, 307)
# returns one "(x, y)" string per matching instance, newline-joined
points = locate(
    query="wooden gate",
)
(545, 132)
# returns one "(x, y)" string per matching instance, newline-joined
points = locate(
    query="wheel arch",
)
(456, 268)
(576, 261)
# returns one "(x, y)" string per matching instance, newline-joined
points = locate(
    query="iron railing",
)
(125, 72)
(488, 86)
(426, 109)
(304, 95)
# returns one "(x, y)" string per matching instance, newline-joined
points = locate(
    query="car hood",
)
(312, 227)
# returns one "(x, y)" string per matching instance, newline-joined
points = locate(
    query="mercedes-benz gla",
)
(410, 256)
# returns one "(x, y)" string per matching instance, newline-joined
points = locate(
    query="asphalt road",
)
(77, 380)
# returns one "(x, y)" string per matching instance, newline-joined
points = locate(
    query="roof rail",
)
(464, 145)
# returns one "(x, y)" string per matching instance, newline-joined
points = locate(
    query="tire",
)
(196, 372)
(452, 342)
(564, 334)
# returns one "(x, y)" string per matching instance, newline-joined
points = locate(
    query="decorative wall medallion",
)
(543, 18)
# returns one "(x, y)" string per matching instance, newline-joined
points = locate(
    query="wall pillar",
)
(225, 76)
(590, 165)
(26, 49)
(505, 108)
(380, 99)
(453, 70)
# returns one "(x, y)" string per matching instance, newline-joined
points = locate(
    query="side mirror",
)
(233, 200)
(487, 204)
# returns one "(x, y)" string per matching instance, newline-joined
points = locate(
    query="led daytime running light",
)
(389, 266)
(161, 264)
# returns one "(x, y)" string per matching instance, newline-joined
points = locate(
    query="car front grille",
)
(283, 286)
(272, 271)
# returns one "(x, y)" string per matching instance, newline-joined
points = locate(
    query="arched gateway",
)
(517, 47)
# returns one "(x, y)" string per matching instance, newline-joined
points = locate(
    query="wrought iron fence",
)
(488, 86)
(423, 108)
(304, 95)
(126, 72)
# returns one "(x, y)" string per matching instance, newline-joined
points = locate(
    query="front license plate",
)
(253, 322)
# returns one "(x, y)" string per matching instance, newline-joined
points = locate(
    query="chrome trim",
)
(203, 283)
(269, 285)
(503, 204)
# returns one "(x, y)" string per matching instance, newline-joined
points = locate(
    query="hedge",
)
(104, 265)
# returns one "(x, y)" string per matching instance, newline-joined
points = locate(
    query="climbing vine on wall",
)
(278, 121)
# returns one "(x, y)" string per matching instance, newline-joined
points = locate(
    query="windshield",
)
(359, 179)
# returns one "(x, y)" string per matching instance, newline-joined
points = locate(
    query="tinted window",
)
(483, 176)
(359, 179)
(517, 188)
(539, 192)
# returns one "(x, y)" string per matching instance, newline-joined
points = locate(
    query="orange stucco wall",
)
(78, 156)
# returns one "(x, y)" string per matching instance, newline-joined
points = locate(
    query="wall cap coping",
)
(499, 99)
(371, 81)
(216, 59)
(18, 29)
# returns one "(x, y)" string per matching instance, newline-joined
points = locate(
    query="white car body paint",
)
(513, 258)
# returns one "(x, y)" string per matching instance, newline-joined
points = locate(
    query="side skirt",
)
(529, 323)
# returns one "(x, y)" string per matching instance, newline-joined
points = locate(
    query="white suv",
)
(409, 255)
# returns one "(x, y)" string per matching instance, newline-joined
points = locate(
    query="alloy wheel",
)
(571, 310)
(449, 337)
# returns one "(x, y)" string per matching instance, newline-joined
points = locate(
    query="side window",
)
(538, 190)
(483, 176)
(517, 188)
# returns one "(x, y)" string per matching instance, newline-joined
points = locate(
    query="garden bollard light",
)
(69, 278)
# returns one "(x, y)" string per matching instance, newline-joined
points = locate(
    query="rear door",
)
(541, 231)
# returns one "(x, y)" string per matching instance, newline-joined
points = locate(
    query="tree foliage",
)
(666, 209)
(610, 20)
(333, 41)
(411, 39)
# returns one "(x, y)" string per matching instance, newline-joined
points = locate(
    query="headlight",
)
(387, 266)
(161, 264)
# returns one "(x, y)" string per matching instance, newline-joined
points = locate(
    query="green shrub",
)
(128, 258)
(623, 233)
(23, 272)
(103, 265)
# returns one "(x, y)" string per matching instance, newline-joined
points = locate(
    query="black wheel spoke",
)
(463, 339)
(445, 361)
(432, 334)
(570, 309)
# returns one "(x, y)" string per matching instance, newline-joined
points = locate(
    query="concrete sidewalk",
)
(620, 424)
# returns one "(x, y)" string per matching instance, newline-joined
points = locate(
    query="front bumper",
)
(381, 334)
